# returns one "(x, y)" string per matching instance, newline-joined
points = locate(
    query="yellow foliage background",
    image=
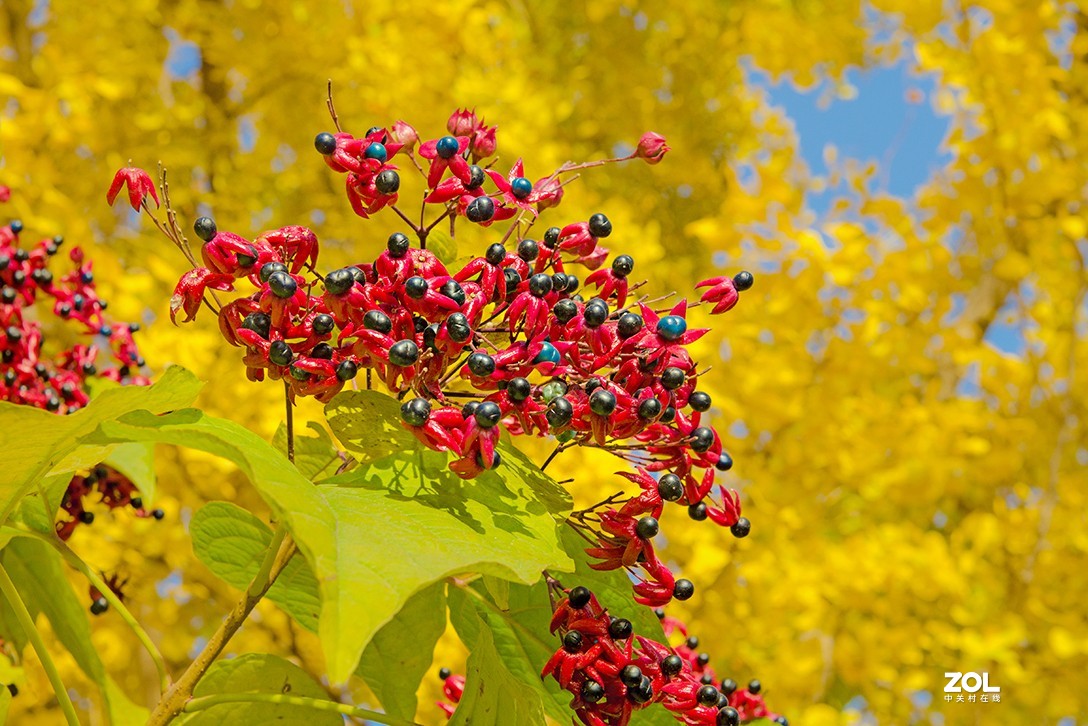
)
(905, 523)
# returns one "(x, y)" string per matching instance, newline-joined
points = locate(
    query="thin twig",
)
(279, 553)
(332, 108)
(558, 448)
(409, 222)
(11, 594)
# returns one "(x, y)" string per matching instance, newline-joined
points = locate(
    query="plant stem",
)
(279, 553)
(204, 702)
(35, 638)
(76, 562)
(407, 221)
(558, 448)
(290, 423)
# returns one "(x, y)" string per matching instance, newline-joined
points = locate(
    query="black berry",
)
(403, 353)
(672, 665)
(416, 412)
(741, 528)
(647, 527)
(579, 597)
(325, 143)
(397, 245)
(620, 629)
(683, 589)
(599, 226)
(488, 414)
(205, 228)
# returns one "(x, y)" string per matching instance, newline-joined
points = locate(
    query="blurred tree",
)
(917, 494)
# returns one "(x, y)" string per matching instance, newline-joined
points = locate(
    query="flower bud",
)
(403, 133)
(462, 122)
(651, 147)
(483, 143)
(549, 193)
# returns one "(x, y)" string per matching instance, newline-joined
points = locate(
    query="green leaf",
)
(47, 443)
(401, 653)
(30, 510)
(492, 696)
(315, 456)
(499, 590)
(137, 462)
(519, 637)
(231, 542)
(5, 704)
(367, 424)
(442, 244)
(259, 673)
(38, 572)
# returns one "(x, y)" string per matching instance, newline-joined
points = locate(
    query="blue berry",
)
(521, 187)
(446, 147)
(376, 151)
(547, 354)
(671, 327)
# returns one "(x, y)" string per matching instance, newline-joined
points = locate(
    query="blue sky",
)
(878, 124)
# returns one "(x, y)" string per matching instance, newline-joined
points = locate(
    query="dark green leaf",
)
(401, 653)
(492, 696)
(231, 542)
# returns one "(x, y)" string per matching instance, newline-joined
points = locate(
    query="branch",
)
(35, 638)
(279, 553)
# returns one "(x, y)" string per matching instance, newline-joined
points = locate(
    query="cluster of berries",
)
(114, 489)
(453, 687)
(116, 585)
(613, 672)
(511, 340)
(58, 383)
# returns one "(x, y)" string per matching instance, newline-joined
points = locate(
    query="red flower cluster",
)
(114, 489)
(56, 384)
(613, 672)
(513, 331)
(59, 384)
(453, 687)
(116, 585)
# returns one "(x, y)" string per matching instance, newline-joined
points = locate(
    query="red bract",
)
(522, 195)
(139, 186)
(456, 162)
